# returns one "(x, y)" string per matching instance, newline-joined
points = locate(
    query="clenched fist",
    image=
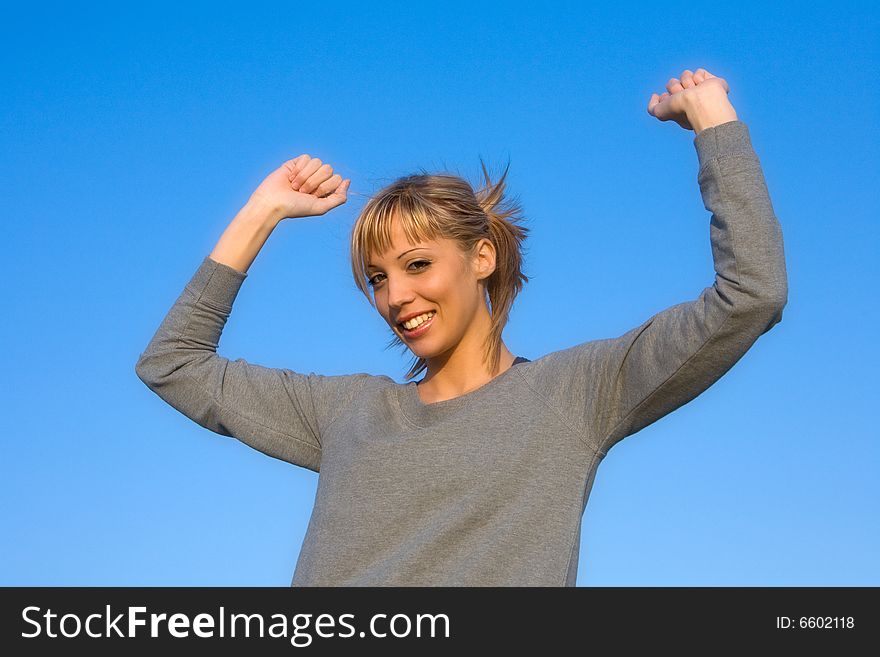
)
(694, 101)
(303, 187)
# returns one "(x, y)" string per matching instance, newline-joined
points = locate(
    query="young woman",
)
(479, 473)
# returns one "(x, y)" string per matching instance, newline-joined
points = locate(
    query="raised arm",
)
(276, 411)
(678, 353)
(611, 388)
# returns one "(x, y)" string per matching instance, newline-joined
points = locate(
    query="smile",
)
(419, 330)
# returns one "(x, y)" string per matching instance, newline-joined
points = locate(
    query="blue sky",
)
(130, 138)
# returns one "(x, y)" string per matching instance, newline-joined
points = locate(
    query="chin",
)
(422, 349)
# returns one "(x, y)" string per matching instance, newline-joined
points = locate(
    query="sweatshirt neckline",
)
(422, 414)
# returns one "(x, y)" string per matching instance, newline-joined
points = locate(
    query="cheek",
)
(381, 305)
(433, 288)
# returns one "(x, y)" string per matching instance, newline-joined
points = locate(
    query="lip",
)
(420, 330)
(406, 318)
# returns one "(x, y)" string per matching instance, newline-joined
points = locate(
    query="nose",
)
(399, 293)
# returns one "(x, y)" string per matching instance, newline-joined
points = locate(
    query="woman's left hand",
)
(694, 100)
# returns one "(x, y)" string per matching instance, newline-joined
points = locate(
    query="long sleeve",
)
(276, 411)
(612, 388)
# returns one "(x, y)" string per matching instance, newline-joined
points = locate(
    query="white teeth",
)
(416, 321)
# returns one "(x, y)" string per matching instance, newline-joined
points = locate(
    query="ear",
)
(484, 259)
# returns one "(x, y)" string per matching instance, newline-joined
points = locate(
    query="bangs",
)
(372, 233)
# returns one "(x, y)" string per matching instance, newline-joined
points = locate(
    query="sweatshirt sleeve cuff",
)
(723, 139)
(217, 283)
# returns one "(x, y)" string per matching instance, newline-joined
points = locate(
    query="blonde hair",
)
(442, 205)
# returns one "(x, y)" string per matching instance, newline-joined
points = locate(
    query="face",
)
(431, 276)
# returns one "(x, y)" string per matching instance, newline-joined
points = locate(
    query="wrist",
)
(708, 112)
(260, 209)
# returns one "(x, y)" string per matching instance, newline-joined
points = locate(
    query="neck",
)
(462, 369)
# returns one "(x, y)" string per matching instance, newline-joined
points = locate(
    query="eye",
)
(372, 282)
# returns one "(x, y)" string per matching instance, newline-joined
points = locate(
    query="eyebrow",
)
(371, 266)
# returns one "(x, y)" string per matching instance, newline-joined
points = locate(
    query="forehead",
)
(401, 243)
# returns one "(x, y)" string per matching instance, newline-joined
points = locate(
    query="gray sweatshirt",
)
(488, 488)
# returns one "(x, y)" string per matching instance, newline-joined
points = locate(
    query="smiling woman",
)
(429, 243)
(479, 474)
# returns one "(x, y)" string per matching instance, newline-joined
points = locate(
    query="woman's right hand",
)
(303, 187)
